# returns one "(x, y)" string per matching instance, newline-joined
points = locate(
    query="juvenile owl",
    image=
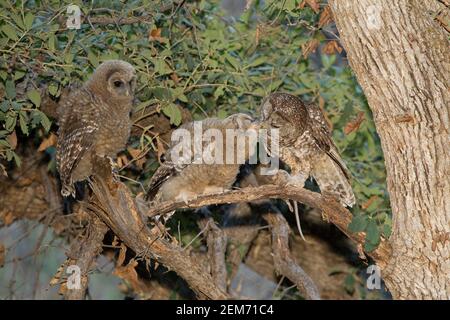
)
(181, 180)
(94, 121)
(306, 145)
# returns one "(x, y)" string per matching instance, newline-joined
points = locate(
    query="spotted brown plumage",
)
(177, 181)
(94, 120)
(306, 145)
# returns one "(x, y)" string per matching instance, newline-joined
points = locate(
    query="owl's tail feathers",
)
(334, 180)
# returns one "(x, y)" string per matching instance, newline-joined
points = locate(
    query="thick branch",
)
(330, 208)
(84, 253)
(216, 241)
(116, 207)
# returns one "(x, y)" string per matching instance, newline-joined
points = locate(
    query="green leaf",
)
(372, 233)
(53, 89)
(19, 74)
(10, 89)
(387, 230)
(358, 224)
(16, 158)
(23, 120)
(10, 32)
(45, 122)
(233, 61)
(349, 283)
(4, 106)
(161, 93)
(34, 97)
(161, 68)
(173, 112)
(11, 119)
(29, 18)
(219, 92)
(93, 59)
(257, 62)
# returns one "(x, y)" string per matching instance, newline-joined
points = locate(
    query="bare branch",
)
(116, 207)
(216, 241)
(284, 262)
(332, 211)
(83, 254)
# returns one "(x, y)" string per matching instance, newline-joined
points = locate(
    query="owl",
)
(306, 145)
(178, 180)
(94, 121)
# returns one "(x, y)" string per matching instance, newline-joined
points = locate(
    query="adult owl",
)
(94, 121)
(178, 180)
(306, 145)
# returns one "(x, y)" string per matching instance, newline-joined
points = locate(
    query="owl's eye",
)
(162, 158)
(118, 84)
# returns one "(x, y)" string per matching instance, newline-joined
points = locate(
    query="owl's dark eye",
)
(118, 84)
(162, 158)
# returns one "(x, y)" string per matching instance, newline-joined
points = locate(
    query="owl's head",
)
(116, 79)
(242, 121)
(283, 111)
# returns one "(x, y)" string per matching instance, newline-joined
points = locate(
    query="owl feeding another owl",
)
(306, 145)
(94, 121)
(178, 180)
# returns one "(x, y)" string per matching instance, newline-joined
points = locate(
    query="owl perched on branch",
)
(94, 121)
(177, 180)
(306, 145)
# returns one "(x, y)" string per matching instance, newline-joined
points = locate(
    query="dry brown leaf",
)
(155, 35)
(367, 204)
(47, 142)
(62, 289)
(312, 3)
(138, 157)
(354, 124)
(331, 47)
(135, 153)
(2, 254)
(12, 139)
(175, 78)
(129, 274)
(325, 17)
(57, 277)
(7, 217)
(122, 161)
(309, 47)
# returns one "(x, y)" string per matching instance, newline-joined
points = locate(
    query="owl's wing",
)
(76, 133)
(322, 135)
(162, 174)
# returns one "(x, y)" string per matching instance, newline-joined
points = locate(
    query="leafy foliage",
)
(200, 58)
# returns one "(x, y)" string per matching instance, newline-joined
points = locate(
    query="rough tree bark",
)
(401, 58)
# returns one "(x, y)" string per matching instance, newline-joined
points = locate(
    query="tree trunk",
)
(401, 58)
